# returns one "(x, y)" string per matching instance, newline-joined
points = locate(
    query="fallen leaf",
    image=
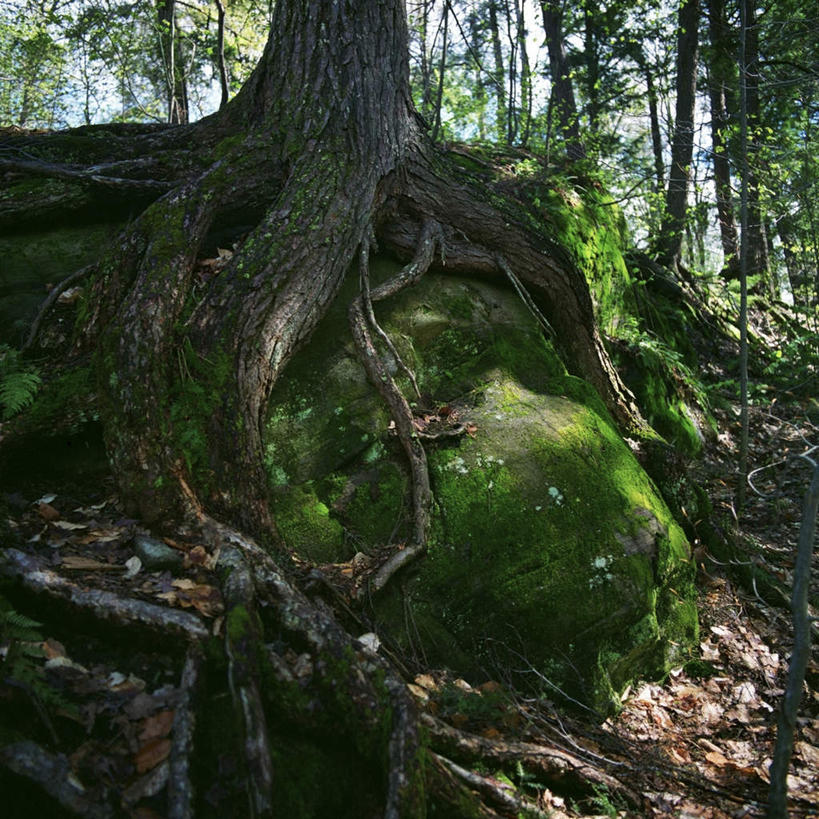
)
(151, 754)
(88, 564)
(718, 759)
(47, 511)
(68, 526)
(157, 726)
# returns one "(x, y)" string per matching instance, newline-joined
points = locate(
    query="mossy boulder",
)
(33, 261)
(548, 537)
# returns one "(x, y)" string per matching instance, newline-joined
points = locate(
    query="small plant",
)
(18, 383)
(21, 655)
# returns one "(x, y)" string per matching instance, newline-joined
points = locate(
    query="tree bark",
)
(720, 72)
(320, 151)
(669, 243)
(562, 89)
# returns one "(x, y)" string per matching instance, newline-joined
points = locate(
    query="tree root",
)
(363, 325)
(52, 773)
(104, 605)
(51, 299)
(242, 638)
(553, 764)
(180, 784)
(492, 791)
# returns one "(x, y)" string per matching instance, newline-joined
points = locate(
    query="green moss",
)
(375, 513)
(306, 526)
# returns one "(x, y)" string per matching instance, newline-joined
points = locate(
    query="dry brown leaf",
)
(157, 726)
(426, 681)
(68, 526)
(151, 754)
(88, 564)
(717, 758)
(48, 512)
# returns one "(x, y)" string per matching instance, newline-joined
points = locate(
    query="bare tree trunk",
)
(562, 89)
(669, 242)
(439, 97)
(172, 65)
(499, 73)
(224, 82)
(718, 81)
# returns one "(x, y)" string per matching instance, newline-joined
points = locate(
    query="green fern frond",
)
(17, 620)
(17, 391)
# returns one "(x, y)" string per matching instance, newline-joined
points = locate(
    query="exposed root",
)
(52, 773)
(180, 785)
(553, 764)
(493, 792)
(363, 324)
(453, 792)
(105, 605)
(524, 295)
(314, 627)
(51, 299)
(242, 637)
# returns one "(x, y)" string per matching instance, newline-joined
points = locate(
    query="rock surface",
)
(551, 547)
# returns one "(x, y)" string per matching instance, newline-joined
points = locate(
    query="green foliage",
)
(21, 655)
(18, 383)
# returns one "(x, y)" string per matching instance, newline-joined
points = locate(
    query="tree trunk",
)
(719, 79)
(322, 152)
(562, 89)
(499, 73)
(669, 242)
(171, 61)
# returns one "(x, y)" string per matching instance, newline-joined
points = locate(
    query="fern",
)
(21, 656)
(18, 383)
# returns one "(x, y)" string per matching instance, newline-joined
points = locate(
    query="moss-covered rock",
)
(32, 262)
(547, 534)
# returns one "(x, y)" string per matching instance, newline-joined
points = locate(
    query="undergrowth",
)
(19, 383)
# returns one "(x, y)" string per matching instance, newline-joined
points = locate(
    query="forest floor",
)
(697, 744)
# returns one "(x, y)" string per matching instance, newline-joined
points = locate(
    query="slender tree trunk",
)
(562, 89)
(439, 97)
(499, 73)
(746, 11)
(720, 75)
(224, 82)
(526, 96)
(591, 57)
(757, 247)
(669, 242)
(173, 66)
